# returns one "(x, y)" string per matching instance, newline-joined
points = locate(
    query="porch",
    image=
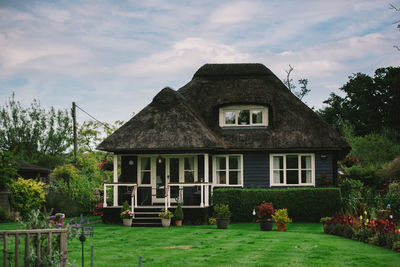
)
(150, 182)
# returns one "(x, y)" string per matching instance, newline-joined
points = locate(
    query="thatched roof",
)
(188, 118)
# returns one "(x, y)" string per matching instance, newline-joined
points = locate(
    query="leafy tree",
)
(370, 104)
(34, 134)
(91, 133)
(7, 169)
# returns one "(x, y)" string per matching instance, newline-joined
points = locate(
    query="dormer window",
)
(243, 115)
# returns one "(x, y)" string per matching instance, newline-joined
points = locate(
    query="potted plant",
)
(126, 214)
(165, 217)
(282, 219)
(222, 214)
(178, 215)
(264, 213)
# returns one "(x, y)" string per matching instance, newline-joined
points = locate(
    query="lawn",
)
(242, 244)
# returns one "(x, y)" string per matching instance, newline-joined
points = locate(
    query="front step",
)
(147, 217)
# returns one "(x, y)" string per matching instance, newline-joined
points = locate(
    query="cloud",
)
(183, 55)
(236, 12)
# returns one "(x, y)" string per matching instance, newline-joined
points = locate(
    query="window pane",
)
(257, 116)
(145, 178)
(306, 177)
(174, 170)
(221, 163)
(234, 162)
(221, 177)
(278, 162)
(189, 163)
(234, 177)
(278, 177)
(306, 162)
(230, 117)
(292, 177)
(145, 164)
(189, 176)
(292, 162)
(244, 117)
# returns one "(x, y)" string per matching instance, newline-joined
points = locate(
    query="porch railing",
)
(115, 194)
(33, 235)
(205, 189)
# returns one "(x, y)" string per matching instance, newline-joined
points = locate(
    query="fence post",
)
(140, 261)
(63, 248)
(5, 250)
(27, 241)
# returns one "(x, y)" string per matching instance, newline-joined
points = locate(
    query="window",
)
(243, 116)
(292, 169)
(189, 169)
(145, 170)
(228, 170)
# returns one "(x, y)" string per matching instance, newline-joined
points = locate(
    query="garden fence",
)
(36, 235)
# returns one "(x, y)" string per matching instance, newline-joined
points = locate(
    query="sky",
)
(113, 57)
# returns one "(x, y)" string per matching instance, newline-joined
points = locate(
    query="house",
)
(232, 125)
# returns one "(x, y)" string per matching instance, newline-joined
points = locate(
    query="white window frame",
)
(214, 166)
(271, 169)
(152, 170)
(237, 109)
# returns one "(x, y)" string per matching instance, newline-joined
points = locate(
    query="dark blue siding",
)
(256, 169)
(323, 168)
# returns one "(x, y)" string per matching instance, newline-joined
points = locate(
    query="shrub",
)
(178, 214)
(393, 198)
(369, 175)
(222, 211)
(265, 210)
(374, 149)
(351, 195)
(282, 216)
(27, 195)
(391, 171)
(77, 189)
(303, 204)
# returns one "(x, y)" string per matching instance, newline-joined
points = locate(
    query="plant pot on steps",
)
(266, 225)
(222, 223)
(127, 222)
(165, 222)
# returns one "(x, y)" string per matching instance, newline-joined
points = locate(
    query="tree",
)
(91, 133)
(8, 169)
(371, 104)
(291, 86)
(33, 134)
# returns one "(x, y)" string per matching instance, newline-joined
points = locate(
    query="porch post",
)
(115, 202)
(201, 195)
(105, 196)
(206, 180)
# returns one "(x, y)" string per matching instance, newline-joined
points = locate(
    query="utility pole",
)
(75, 129)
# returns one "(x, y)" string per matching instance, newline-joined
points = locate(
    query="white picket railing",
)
(205, 189)
(115, 195)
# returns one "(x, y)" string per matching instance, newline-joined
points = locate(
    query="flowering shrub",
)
(373, 231)
(106, 165)
(265, 210)
(98, 209)
(282, 217)
(350, 161)
(127, 214)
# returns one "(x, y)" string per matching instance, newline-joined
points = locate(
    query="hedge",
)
(303, 204)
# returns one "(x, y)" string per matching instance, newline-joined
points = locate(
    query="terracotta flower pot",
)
(281, 227)
(266, 225)
(127, 222)
(178, 222)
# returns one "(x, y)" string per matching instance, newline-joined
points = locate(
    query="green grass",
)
(242, 244)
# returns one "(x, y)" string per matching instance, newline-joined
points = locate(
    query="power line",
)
(105, 125)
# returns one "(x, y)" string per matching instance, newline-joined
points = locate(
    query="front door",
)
(160, 180)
